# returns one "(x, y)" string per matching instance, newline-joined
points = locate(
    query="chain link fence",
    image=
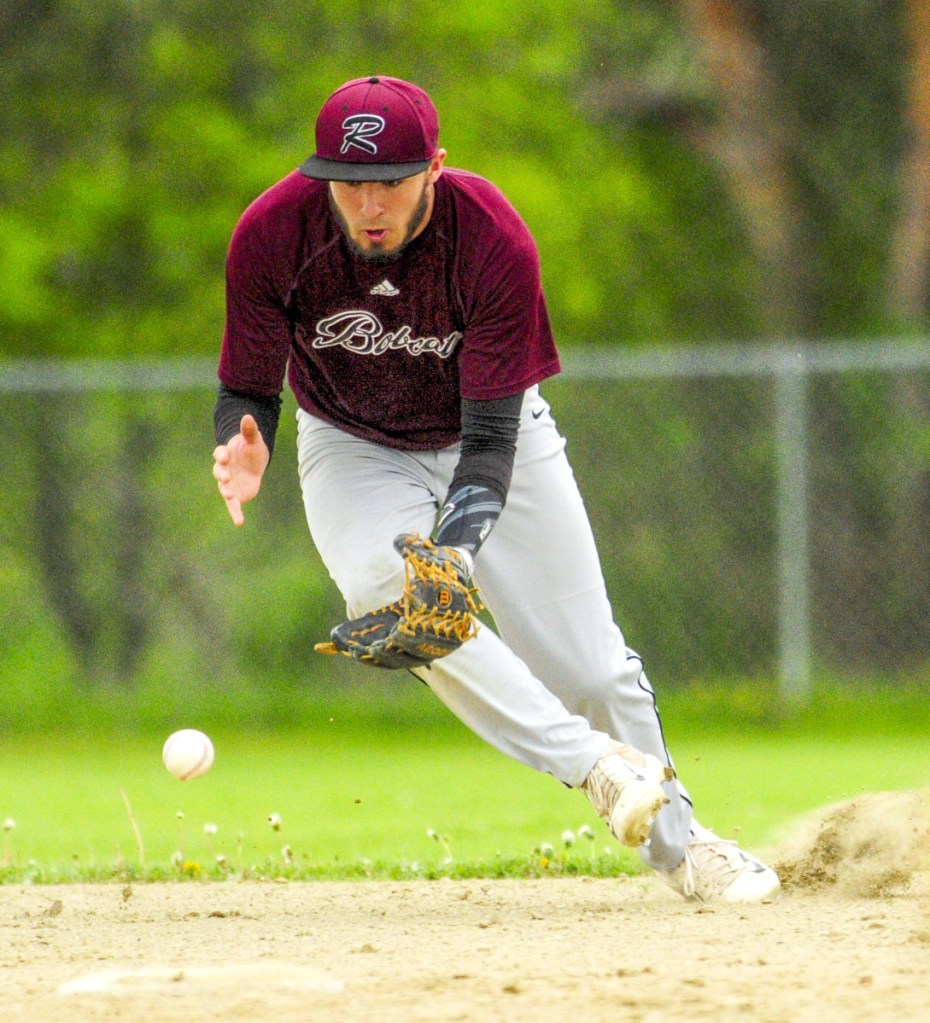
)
(761, 513)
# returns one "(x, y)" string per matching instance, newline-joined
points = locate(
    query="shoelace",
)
(726, 862)
(604, 783)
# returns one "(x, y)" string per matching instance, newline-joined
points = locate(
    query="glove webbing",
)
(423, 619)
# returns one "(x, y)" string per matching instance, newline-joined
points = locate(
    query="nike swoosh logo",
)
(446, 512)
(636, 775)
(754, 865)
(536, 415)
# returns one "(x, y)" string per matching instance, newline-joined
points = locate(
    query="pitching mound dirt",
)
(873, 846)
(545, 951)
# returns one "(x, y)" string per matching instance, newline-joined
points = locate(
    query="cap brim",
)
(338, 170)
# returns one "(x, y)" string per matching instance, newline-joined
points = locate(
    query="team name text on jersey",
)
(362, 332)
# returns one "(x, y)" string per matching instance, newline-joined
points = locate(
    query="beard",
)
(373, 256)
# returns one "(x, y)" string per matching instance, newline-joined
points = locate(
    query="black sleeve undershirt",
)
(232, 405)
(489, 443)
(481, 479)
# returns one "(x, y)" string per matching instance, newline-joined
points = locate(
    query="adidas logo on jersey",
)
(385, 288)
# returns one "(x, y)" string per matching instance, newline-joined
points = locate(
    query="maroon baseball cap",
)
(374, 129)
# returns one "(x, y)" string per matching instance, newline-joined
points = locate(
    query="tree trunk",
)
(909, 288)
(750, 141)
(56, 551)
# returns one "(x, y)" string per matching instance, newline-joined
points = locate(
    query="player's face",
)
(379, 218)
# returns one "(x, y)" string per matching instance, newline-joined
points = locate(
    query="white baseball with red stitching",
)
(188, 754)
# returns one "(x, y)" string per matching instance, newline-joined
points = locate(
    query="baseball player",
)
(402, 300)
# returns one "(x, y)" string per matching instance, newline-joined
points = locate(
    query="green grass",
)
(360, 796)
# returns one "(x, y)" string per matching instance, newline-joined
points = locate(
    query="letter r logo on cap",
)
(359, 130)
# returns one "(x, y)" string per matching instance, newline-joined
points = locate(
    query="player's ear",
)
(435, 167)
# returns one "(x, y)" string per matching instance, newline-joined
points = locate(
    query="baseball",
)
(188, 754)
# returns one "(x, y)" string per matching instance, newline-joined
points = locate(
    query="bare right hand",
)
(238, 467)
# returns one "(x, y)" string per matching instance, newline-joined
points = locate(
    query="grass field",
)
(362, 797)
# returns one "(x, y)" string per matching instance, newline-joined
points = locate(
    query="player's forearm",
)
(482, 477)
(232, 405)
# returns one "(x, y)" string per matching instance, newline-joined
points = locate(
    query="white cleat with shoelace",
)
(625, 788)
(716, 870)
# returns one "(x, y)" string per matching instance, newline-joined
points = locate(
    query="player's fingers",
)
(249, 429)
(234, 507)
(228, 487)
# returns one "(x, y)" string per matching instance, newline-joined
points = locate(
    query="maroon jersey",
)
(386, 350)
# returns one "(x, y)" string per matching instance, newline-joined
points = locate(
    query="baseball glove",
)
(432, 618)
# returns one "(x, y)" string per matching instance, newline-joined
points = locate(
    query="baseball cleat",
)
(625, 788)
(716, 869)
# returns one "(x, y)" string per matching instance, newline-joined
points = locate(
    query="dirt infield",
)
(849, 939)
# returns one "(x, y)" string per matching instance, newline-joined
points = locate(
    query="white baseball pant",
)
(559, 679)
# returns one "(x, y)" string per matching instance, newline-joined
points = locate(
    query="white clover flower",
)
(274, 819)
(210, 829)
(546, 849)
(568, 838)
(585, 832)
(180, 815)
(9, 824)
